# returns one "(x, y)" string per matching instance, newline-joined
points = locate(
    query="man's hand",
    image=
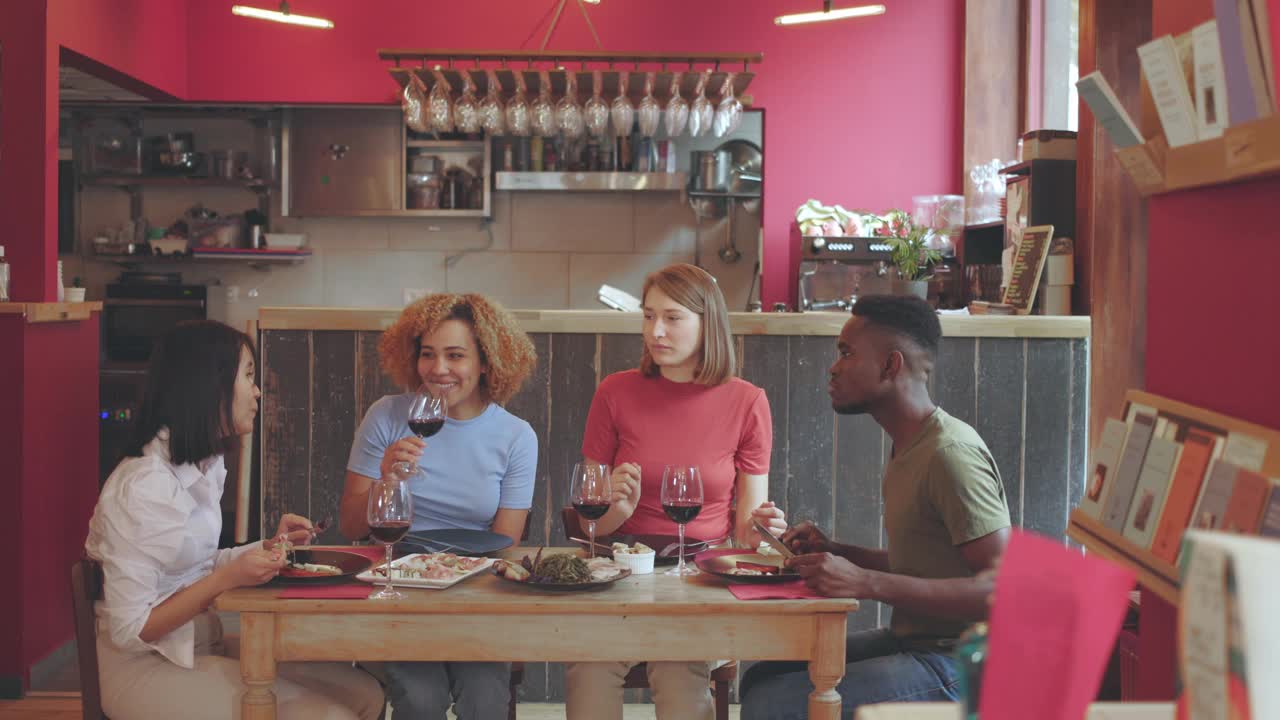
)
(806, 538)
(832, 575)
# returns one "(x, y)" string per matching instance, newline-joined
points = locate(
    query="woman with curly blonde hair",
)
(478, 471)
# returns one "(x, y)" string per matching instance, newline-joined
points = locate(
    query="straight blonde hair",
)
(696, 290)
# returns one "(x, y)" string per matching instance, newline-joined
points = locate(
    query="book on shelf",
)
(1228, 626)
(1107, 110)
(1248, 98)
(1248, 499)
(1106, 456)
(1210, 84)
(1245, 450)
(1163, 69)
(1267, 38)
(1198, 448)
(1116, 509)
(1271, 515)
(1215, 495)
(1149, 495)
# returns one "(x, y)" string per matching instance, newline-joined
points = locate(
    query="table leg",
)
(826, 666)
(258, 665)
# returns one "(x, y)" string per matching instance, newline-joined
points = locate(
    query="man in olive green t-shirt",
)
(945, 516)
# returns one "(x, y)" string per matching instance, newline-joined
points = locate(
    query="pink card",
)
(1052, 628)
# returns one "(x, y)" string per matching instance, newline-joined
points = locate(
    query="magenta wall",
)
(865, 112)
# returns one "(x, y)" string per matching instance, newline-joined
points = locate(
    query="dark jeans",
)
(878, 669)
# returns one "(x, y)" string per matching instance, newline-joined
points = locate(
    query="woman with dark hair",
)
(155, 531)
(684, 404)
(478, 471)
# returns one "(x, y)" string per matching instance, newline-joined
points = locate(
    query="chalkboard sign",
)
(1028, 263)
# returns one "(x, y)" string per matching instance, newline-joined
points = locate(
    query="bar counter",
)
(1022, 382)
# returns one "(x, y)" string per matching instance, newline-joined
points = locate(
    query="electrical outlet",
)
(412, 294)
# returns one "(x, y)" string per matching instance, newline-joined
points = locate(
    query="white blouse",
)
(155, 530)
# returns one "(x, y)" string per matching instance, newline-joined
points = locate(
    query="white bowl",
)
(638, 563)
(281, 241)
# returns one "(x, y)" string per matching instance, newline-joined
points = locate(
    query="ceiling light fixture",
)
(282, 15)
(829, 14)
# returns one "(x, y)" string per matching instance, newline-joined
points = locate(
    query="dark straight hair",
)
(190, 388)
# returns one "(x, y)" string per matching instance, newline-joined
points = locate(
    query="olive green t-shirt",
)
(940, 491)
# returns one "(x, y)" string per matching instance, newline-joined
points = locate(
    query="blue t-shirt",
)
(472, 467)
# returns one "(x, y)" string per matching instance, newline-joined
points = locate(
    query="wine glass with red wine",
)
(427, 413)
(591, 494)
(681, 499)
(390, 514)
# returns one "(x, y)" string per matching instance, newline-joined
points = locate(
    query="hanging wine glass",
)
(729, 112)
(621, 110)
(676, 114)
(568, 112)
(439, 110)
(648, 114)
(466, 111)
(543, 111)
(700, 112)
(492, 114)
(596, 111)
(413, 100)
(518, 120)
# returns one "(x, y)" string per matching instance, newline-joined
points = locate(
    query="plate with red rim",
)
(434, 571)
(350, 564)
(725, 565)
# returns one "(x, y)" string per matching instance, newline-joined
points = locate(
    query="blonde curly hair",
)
(504, 346)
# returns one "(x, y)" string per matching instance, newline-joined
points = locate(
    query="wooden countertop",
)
(610, 321)
(35, 312)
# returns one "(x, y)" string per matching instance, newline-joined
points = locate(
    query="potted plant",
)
(911, 253)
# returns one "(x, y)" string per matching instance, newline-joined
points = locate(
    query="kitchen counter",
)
(614, 322)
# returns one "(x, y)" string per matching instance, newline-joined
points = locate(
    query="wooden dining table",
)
(486, 618)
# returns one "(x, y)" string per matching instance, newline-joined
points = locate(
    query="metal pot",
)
(711, 170)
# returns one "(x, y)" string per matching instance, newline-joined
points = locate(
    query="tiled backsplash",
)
(541, 250)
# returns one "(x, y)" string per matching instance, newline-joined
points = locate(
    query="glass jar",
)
(970, 655)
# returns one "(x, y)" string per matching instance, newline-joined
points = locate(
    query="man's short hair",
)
(905, 315)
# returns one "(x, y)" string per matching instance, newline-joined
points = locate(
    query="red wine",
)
(591, 510)
(389, 532)
(426, 428)
(682, 511)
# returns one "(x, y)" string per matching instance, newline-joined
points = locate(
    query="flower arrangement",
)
(910, 240)
(911, 252)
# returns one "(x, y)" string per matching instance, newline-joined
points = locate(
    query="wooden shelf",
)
(248, 257)
(472, 145)
(1248, 151)
(1153, 573)
(127, 181)
(984, 226)
(35, 312)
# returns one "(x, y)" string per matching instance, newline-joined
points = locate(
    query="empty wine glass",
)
(681, 498)
(390, 513)
(591, 493)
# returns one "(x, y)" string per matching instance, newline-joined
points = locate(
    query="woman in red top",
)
(683, 405)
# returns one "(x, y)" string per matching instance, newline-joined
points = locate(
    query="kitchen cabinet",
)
(344, 162)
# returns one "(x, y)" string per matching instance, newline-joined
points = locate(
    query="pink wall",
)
(865, 113)
(144, 39)
(1211, 337)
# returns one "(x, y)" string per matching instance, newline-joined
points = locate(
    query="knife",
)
(774, 542)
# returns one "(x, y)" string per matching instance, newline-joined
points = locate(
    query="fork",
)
(673, 547)
(321, 526)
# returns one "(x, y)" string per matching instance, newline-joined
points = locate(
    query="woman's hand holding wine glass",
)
(682, 501)
(591, 493)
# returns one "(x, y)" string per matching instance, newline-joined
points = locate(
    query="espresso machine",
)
(835, 271)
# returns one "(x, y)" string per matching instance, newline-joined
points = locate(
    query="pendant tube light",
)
(829, 13)
(282, 16)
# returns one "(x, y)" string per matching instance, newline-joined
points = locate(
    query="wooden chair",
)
(638, 677)
(86, 588)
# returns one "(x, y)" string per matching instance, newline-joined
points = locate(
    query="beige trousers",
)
(593, 691)
(142, 686)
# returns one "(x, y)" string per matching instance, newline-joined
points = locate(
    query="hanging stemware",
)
(729, 112)
(518, 112)
(492, 114)
(543, 111)
(700, 112)
(596, 112)
(439, 110)
(466, 111)
(413, 100)
(568, 112)
(648, 114)
(621, 110)
(677, 113)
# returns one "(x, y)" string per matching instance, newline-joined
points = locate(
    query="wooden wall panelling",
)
(1001, 379)
(333, 425)
(766, 363)
(994, 83)
(371, 382)
(810, 433)
(619, 352)
(286, 425)
(954, 383)
(1046, 476)
(533, 405)
(1080, 411)
(1111, 224)
(856, 496)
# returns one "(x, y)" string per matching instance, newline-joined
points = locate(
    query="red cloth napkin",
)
(792, 590)
(343, 591)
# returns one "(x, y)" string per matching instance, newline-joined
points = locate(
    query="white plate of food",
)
(427, 570)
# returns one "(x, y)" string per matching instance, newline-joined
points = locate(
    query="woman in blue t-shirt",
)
(478, 472)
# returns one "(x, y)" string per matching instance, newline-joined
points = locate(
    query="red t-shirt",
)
(653, 422)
